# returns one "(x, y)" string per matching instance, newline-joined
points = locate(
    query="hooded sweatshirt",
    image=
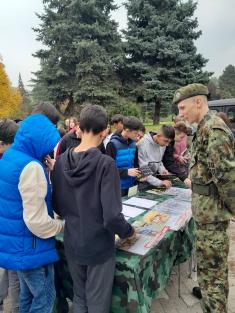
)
(86, 193)
(150, 154)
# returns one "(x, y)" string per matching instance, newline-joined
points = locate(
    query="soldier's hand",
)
(167, 184)
(188, 183)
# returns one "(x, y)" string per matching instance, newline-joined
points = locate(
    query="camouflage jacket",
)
(212, 171)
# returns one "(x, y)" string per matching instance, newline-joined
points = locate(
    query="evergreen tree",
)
(84, 52)
(227, 82)
(214, 90)
(160, 50)
(26, 105)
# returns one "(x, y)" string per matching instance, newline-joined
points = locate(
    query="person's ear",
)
(198, 102)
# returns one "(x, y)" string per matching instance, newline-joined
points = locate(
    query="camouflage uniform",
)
(212, 171)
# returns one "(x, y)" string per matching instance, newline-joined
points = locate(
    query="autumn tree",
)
(10, 98)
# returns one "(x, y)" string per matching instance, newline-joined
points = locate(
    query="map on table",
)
(179, 193)
(148, 237)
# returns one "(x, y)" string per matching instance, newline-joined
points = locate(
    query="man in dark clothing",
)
(70, 140)
(86, 193)
(169, 162)
(122, 148)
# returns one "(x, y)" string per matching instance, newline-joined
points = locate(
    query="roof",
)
(222, 102)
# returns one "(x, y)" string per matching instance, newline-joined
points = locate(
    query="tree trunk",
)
(156, 114)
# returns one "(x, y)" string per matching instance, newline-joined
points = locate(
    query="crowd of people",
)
(70, 180)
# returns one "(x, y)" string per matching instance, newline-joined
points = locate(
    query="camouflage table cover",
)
(138, 279)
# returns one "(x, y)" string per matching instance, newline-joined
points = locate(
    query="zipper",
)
(34, 242)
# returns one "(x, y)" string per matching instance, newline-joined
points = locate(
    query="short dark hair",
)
(8, 129)
(117, 118)
(48, 110)
(93, 118)
(143, 129)
(168, 132)
(132, 123)
(181, 127)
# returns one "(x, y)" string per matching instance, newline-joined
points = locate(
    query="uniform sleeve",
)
(33, 190)
(222, 166)
(143, 161)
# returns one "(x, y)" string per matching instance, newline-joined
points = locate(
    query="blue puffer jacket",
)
(19, 248)
(125, 157)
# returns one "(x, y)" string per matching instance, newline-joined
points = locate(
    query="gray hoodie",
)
(149, 151)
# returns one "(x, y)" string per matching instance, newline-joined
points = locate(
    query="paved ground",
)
(169, 302)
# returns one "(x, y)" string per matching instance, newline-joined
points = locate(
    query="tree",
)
(214, 89)
(26, 102)
(227, 82)
(83, 53)
(10, 98)
(160, 51)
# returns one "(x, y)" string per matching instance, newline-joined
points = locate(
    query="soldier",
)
(212, 172)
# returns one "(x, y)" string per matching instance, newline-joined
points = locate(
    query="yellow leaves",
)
(10, 98)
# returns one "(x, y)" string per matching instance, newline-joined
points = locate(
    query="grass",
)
(164, 120)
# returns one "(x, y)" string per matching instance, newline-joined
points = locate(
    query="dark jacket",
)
(86, 193)
(170, 164)
(70, 140)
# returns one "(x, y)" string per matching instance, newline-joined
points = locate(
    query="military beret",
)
(189, 91)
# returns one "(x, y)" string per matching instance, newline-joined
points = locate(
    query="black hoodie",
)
(86, 193)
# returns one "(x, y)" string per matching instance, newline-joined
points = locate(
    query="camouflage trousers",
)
(212, 246)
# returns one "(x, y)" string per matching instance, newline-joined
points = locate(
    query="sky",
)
(18, 41)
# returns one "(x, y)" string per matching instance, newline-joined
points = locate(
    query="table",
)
(138, 279)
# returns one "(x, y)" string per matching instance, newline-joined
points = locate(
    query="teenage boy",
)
(9, 282)
(117, 122)
(122, 148)
(27, 227)
(169, 160)
(151, 150)
(86, 193)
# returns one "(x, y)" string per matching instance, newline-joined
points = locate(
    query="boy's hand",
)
(50, 163)
(188, 183)
(133, 172)
(183, 160)
(167, 184)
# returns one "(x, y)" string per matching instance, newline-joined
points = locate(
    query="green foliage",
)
(227, 82)
(84, 51)
(125, 107)
(161, 55)
(26, 105)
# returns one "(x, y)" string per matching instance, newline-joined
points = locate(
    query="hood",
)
(36, 137)
(78, 167)
(149, 138)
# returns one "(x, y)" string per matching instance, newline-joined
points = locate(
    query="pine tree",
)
(83, 54)
(227, 82)
(26, 105)
(10, 98)
(161, 55)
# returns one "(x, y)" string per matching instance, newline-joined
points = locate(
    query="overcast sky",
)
(18, 41)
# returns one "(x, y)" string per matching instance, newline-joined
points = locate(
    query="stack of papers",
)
(129, 211)
(140, 202)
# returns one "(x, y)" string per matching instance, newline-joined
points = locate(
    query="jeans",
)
(37, 290)
(10, 280)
